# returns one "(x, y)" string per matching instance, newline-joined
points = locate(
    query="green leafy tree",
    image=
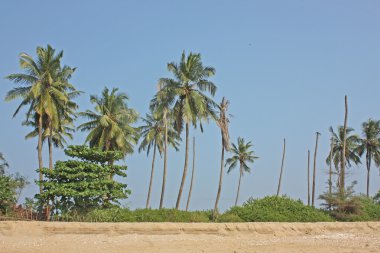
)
(110, 124)
(242, 155)
(185, 93)
(83, 183)
(153, 136)
(45, 88)
(351, 154)
(370, 145)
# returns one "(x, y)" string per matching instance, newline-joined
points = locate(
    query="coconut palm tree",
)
(242, 155)
(3, 164)
(153, 136)
(185, 93)
(222, 122)
(110, 124)
(351, 154)
(44, 88)
(370, 144)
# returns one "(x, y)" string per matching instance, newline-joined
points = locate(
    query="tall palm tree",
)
(223, 122)
(351, 154)
(110, 124)
(242, 155)
(186, 94)
(153, 136)
(3, 164)
(44, 88)
(370, 144)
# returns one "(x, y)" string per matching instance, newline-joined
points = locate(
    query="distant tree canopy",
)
(86, 182)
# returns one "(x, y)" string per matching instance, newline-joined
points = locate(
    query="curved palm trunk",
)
(151, 176)
(220, 179)
(238, 190)
(343, 162)
(165, 163)
(192, 177)
(40, 162)
(314, 169)
(184, 168)
(368, 163)
(308, 177)
(282, 166)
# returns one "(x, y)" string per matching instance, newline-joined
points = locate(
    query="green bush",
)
(277, 209)
(147, 215)
(229, 217)
(369, 210)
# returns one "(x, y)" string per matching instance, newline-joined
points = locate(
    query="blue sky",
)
(285, 66)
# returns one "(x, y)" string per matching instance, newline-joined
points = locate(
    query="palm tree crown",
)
(241, 155)
(110, 124)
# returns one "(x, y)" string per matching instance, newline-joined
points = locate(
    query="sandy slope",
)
(184, 237)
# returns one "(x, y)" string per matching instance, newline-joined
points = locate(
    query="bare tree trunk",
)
(238, 190)
(220, 179)
(282, 167)
(314, 169)
(184, 168)
(192, 177)
(165, 161)
(331, 162)
(50, 141)
(308, 177)
(151, 176)
(343, 162)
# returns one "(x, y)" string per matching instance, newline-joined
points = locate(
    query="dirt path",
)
(41, 237)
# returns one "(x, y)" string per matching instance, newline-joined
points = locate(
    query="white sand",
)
(59, 237)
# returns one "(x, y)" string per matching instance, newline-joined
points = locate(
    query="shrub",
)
(277, 209)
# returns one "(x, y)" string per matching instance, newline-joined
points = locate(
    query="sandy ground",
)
(41, 237)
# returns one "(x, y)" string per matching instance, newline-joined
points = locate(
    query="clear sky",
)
(285, 66)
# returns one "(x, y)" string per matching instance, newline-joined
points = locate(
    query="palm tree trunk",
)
(151, 176)
(330, 172)
(314, 169)
(220, 179)
(192, 177)
(50, 140)
(165, 161)
(368, 160)
(282, 166)
(343, 162)
(308, 177)
(184, 168)
(238, 190)
(40, 162)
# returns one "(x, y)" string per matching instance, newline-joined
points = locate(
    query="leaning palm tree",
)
(153, 137)
(351, 154)
(370, 144)
(3, 164)
(44, 88)
(242, 155)
(110, 124)
(222, 122)
(185, 93)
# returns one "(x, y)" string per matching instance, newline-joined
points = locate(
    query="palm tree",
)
(44, 88)
(351, 155)
(186, 94)
(222, 122)
(153, 136)
(370, 144)
(110, 124)
(243, 156)
(3, 164)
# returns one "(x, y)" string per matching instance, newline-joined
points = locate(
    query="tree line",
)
(182, 103)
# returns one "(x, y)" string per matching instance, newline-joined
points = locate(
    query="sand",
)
(59, 237)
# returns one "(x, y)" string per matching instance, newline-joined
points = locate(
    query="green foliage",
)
(84, 184)
(7, 194)
(229, 217)
(147, 215)
(277, 209)
(369, 210)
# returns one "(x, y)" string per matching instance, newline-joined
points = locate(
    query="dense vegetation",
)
(85, 187)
